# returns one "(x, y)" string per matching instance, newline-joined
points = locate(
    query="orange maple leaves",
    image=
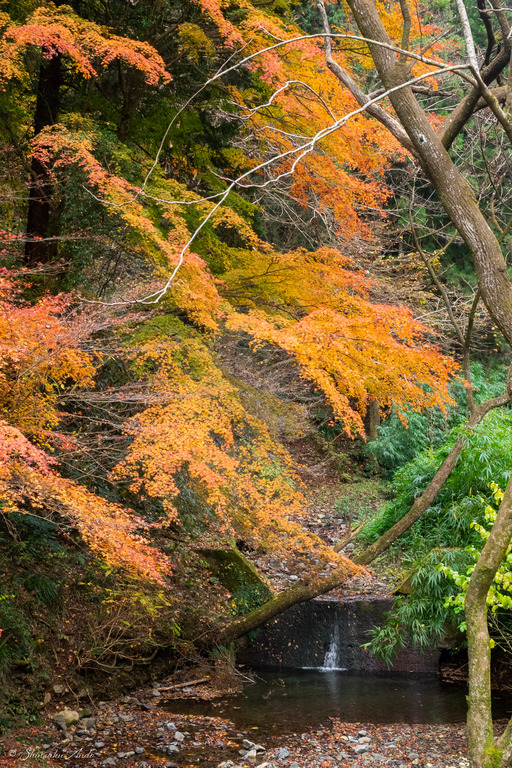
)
(39, 354)
(60, 149)
(200, 426)
(352, 350)
(40, 357)
(85, 44)
(312, 305)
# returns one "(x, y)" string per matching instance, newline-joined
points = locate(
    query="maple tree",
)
(62, 38)
(315, 306)
(400, 369)
(353, 350)
(158, 193)
(40, 356)
(199, 424)
(393, 56)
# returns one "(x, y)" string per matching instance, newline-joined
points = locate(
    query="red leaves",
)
(85, 44)
(39, 351)
(14, 447)
(40, 355)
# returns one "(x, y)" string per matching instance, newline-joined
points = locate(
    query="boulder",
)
(66, 717)
(237, 574)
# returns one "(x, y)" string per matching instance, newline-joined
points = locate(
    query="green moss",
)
(494, 757)
(237, 574)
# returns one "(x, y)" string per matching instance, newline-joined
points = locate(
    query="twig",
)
(184, 685)
(350, 537)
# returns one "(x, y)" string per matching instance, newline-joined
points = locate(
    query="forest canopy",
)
(242, 242)
(182, 209)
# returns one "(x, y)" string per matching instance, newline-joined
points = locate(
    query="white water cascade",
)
(331, 662)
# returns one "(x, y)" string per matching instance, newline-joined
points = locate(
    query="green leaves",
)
(458, 509)
(500, 593)
(421, 617)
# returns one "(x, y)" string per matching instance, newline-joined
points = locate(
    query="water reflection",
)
(296, 701)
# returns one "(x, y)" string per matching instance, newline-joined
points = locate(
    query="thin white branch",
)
(221, 72)
(468, 35)
(272, 128)
(280, 90)
(151, 197)
(279, 44)
(301, 152)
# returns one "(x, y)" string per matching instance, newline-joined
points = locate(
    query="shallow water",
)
(298, 700)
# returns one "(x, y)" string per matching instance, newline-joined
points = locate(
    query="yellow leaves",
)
(108, 529)
(227, 219)
(194, 289)
(203, 432)
(349, 348)
(421, 31)
(298, 281)
(194, 43)
(193, 431)
(39, 355)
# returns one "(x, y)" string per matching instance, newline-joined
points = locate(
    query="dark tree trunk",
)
(374, 420)
(132, 90)
(40, 226)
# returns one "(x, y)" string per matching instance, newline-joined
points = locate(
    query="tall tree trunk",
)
(132, 90)
(484, 750)
(454, 192)
(374, 420)
(39, 215)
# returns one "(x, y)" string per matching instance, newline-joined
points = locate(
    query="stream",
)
(292, 701)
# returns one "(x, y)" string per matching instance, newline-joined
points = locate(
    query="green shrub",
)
(443, 540)
(15, 636)
(486, 456)
(399, 443)
(420, 617)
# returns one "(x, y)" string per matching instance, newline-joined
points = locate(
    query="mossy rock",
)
(238, 575)
(405, 588)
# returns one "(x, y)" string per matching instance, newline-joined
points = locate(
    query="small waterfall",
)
(331, 660)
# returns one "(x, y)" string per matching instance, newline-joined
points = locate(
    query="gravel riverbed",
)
(139, 733)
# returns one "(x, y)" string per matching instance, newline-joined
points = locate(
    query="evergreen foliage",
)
(486, 456)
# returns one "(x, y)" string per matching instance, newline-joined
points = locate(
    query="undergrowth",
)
(486, 457)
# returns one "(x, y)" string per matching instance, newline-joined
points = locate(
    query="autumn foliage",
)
(40, 358)
(179, 422)
(88, 46)
(353, 350)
